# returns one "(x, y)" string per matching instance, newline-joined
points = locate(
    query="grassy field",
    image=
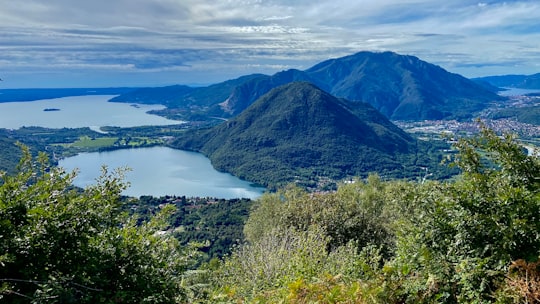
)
(87, 142)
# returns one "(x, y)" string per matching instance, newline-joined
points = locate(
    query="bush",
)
(64, 245)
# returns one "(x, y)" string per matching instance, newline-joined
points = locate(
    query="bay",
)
(160, 171)
(156, 171)
(92, 111)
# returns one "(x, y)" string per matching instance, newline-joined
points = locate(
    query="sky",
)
(111, 43)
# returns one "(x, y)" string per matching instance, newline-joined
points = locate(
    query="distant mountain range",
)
(298, 132)
(513, 81)
(400, 87)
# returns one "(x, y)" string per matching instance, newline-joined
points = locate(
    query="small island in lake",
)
(51, 109)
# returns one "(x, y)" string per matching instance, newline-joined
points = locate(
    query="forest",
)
(471, 239)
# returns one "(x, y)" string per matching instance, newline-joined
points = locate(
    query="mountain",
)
(488, 86)
(167, 96)
(527, 114)
(299, 132)
(401, 87)
(185, 102)
(513, 81)
(245, 94)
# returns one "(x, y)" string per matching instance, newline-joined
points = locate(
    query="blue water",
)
(517, 92)
(78, 111)
(154, 171)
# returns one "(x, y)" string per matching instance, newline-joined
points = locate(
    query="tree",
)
(474, 239)
(463, 235)
(59, 244)
(355, 212)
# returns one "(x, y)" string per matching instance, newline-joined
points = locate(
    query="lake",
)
(160, 171)
(156, 171)
(517, 92)
(92, 111)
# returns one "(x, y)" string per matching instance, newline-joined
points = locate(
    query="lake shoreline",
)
(171, 171)
(75, 131)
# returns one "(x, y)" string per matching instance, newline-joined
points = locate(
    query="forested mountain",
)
(299, 131)
(401, 87)
(186, 102)
(513, 81)
(10, 153)
(161, 95)
(248, 92)
(528, 114)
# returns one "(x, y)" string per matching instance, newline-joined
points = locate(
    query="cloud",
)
(224, 38)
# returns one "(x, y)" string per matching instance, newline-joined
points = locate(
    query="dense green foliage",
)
(530, 115)
(298, 132)
(61, 245)
(217, 222)
(472, 240)
(10, 154)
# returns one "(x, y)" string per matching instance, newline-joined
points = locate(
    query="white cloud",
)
(189, 36)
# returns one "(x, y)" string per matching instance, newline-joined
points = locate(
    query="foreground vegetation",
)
(475, 239)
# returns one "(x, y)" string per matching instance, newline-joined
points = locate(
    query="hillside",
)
(299, 132)
(513, 81)
(401, 87)
(185, 102)
(528, 115)
(167, 96)
(10, 153)
(247, 93)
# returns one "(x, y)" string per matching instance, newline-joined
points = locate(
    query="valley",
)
(348, 174)
(262, 152)
(275, 130)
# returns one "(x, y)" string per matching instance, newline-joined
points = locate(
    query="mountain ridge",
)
(513, 81)
(402, 87)
(297, 132)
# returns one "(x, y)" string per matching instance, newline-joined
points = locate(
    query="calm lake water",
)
(78, 111)
(161, 171)
(516, 92)
(155, 171)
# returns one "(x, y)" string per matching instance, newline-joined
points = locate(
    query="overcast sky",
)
(104, 43)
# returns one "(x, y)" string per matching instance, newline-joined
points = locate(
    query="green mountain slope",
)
(299, 132)
(401, 87)
(11, 153)
(529, 115)
(161, 95)
(185, 102)
(247, 93)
